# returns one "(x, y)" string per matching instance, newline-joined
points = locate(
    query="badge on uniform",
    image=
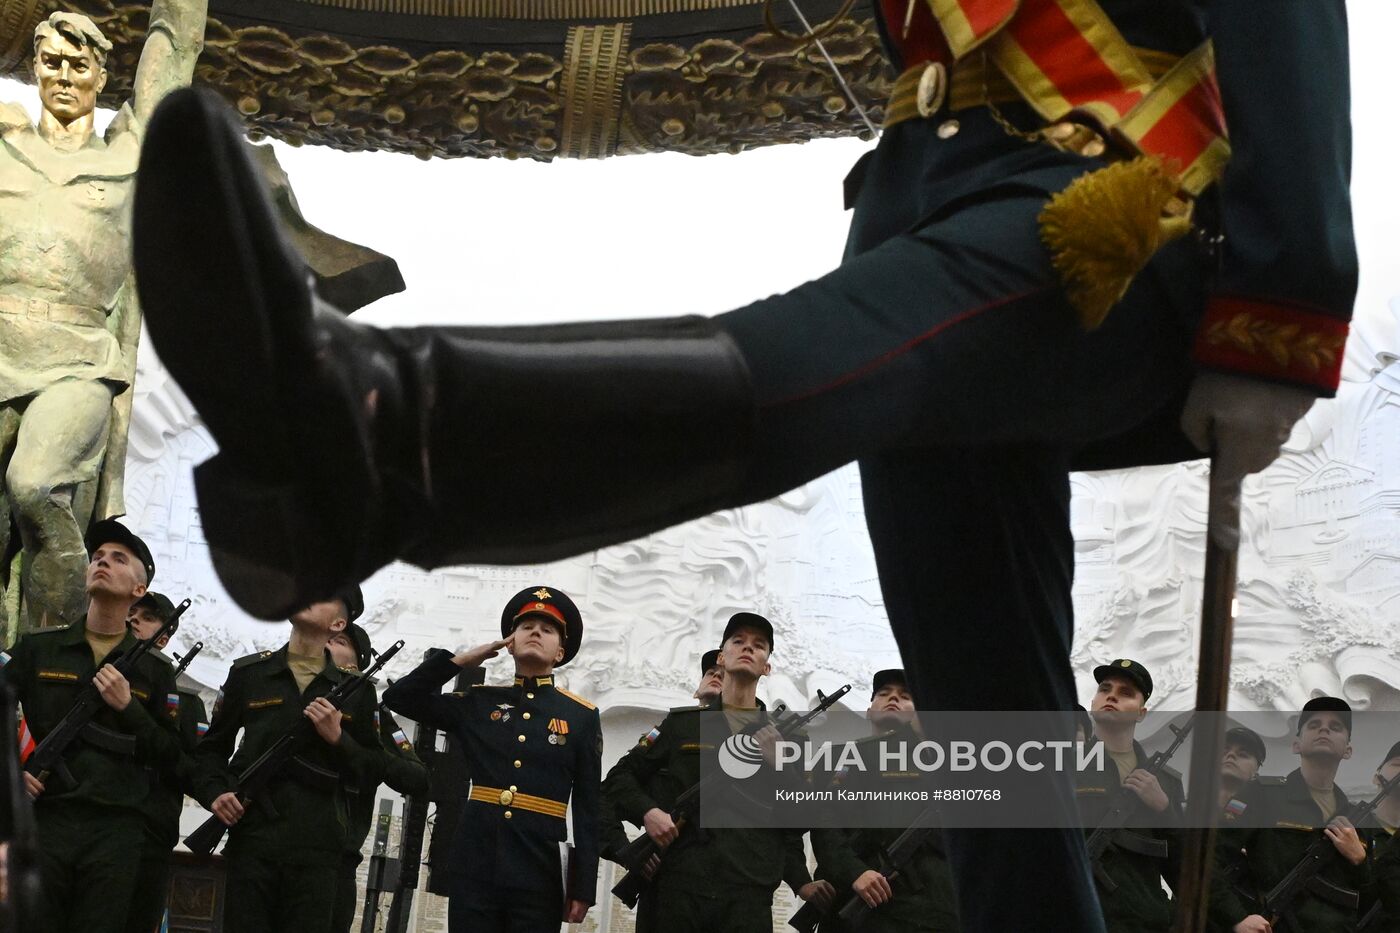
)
(376, 719)
(558, 731)
(200, 728)
(172, 705)
(650, 738)
(1235, 808)
(502, 712)
(402, 741)
(4, 659)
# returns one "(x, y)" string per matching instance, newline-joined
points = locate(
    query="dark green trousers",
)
(148, 898)
(345, 892)
(266, 895)
(87, 866)
(681, 909)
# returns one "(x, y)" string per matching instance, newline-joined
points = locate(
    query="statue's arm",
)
(174, 40)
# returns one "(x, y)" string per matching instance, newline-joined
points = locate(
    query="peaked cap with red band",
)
(552, 604)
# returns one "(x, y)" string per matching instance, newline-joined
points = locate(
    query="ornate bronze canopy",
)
(533, 78)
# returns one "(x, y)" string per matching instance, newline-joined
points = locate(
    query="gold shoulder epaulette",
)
(577, 699)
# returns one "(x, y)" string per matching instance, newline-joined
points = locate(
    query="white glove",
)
(1242, 423)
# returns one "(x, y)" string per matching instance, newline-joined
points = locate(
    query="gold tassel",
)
(1102, 230)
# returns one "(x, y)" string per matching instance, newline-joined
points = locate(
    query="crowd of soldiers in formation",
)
(1294, 853)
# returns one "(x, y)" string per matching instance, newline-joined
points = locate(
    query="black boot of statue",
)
(343, 447)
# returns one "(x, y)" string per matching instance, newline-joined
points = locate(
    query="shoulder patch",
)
(649, 739)
(1272, 780)
(248, 659)
(577, 699)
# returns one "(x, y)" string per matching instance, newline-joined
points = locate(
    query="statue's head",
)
(70, 65)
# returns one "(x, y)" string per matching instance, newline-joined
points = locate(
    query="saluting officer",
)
(1146, 851)
(720, 879)
(168, 785)
(403, 771)
(1271, 823)
(534, 750)
(89, 818)
(921, 897)
(285, 847)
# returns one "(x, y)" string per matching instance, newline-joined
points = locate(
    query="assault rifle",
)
(1278, 902)
(415, 824)
(189, 656)
(1125, 804)
(47, 758)
(636, 854)
(852, 909)
(256, 777)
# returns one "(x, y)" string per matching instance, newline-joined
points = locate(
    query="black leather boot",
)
(343, 447)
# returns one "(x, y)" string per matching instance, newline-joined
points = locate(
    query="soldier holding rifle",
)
(919, 895)
(89, 810)
(285, 845)
(167, 798)
(716, 879)
(1274, 826)
(1138, 856)
(403, 771)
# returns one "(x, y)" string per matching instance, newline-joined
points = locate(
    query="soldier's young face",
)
(1388, 771)
(1323, 735)
(1118, 700)
(69, 78)
(144, 623)
(538, 638)
(711, 683)
(892, 704)
(115, 571)
(342, 652)
(746, 652)
(1239, 762)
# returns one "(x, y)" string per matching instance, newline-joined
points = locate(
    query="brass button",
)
(1093, 149)
(1061, 132)
(527, 715)
(933, 87)
(948, 129)
(520, 738)
(506, 797)
(507, 814)
(513, 788)
(517, 762)
(529, 696)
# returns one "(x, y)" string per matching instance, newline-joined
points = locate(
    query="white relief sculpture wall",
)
(1319, 596)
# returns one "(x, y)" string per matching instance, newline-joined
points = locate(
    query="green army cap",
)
(1324, 704)
(1126, 667)
(748, 620)
(1248, 740)
(158, 604)
(890, 675)
(111, 531)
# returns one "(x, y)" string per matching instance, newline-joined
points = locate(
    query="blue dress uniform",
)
(534, 750)
(943, 355)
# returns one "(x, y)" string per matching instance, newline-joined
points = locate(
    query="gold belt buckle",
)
(933, 89)
(506, 797)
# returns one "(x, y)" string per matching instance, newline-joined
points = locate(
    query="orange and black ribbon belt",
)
(512, 798)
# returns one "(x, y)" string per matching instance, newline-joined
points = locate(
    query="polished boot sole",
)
(228, 307)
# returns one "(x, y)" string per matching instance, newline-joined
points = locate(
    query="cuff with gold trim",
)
(1273, 340)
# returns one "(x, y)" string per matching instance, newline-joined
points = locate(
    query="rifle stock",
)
(257, 775)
